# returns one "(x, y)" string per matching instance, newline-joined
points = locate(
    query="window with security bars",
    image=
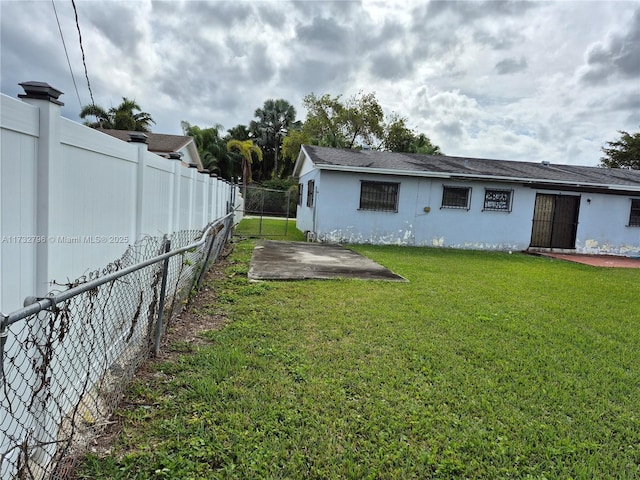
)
(311, 186)
(379, 196)
(496, 200)
(456, 197)
(300, 190)
(634, 215)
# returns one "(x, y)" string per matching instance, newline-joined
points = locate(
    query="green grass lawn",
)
(485, 365)
(276, 229)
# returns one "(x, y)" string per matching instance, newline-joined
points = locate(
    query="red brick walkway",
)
(597, 260)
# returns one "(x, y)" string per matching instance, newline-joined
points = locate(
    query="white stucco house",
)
(368, 196)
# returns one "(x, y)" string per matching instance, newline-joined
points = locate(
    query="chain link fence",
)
(270, 203)
(66, 359)
(263, 204)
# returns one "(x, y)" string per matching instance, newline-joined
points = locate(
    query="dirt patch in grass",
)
(198, 316)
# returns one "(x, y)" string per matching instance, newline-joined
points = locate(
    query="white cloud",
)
(515, 80)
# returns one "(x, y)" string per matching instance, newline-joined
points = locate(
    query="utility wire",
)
(86, 73)
(66, 53)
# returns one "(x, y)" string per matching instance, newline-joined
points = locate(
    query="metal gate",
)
(267, 212)
(555, 221)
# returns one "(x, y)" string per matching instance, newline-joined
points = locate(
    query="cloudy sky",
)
(512, 80)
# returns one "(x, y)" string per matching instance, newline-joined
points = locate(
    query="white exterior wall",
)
(305, 216)
(602, 226)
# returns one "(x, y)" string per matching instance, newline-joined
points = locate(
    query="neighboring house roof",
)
(441, 166)
(160, 143)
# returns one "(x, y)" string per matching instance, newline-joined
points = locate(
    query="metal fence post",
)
(228, 225)
(261, 210)
(4, 333)
(53, 406)
(203, 270)
(163, 291)
(286, 223)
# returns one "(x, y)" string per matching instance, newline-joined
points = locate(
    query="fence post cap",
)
(40, 91)
(138, 137)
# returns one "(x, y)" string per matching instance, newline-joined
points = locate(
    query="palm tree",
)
(212, 149)
(274, 120)
(103, 120)
(122, 117)
(246, 148)
(239, 132)
(125, 118)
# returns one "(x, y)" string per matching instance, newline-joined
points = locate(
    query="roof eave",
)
(193, 149)
(299, 161)
(466, 176)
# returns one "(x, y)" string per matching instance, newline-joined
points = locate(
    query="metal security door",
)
(542, 221)
(565, 221)
(555, 221)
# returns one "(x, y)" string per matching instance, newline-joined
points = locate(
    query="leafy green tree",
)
(273, 122)
(246, 148)
(334, 123)
(291, 148)
(622, 153)
(364, 120)
(122, 117)
(355, 122)
(400, 138)
(323, 124)
(422, 144)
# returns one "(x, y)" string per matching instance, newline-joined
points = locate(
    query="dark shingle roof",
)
(433, 165)
(158, 142)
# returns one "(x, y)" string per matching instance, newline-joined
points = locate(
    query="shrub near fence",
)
(65, 359)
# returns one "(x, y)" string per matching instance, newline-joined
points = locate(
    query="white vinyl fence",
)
(72, 199)
(77, 205)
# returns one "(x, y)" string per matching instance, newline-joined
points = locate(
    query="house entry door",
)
(555, 221)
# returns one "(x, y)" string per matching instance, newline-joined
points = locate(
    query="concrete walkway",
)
(275, 260)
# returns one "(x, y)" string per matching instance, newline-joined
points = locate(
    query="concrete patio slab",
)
(612, 261)
(275, 260)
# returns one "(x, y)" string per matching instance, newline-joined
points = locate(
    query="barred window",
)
(300, 190)
(456, 197)
(379, 196)
(496, 200)
(311, 186)
(634, 215)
